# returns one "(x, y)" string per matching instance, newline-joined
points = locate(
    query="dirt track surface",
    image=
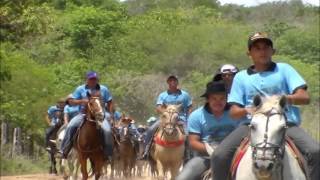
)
(54, 177)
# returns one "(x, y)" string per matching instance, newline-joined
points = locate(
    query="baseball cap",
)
(259, 36)
(91, 75)
(224, 69)
(172, 77)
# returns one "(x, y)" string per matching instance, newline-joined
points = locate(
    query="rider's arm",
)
(196, 144)
(159, 109)
(78, 101)
(299, 97)
(110, 107)
(237, 112)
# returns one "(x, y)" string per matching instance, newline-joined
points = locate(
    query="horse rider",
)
(54, 120)
(79, 97)
(70, 111)
(209, 124)
(267, 78)
(226, 74)
(173, 95)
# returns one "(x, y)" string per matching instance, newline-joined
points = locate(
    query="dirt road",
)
(53, 177)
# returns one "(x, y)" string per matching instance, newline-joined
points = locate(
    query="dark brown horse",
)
(127, 147)
(89, 139)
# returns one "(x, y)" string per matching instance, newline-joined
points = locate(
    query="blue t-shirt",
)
(208, 127)
(53, 114)
(81, 93)
(72, 111)
(279, 79)
(181, 97)
(117, 115)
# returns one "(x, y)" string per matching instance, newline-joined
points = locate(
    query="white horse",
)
(69, 168)
(268, 157)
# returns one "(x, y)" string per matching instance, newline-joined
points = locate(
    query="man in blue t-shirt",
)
(267, 78)
(79, 97)
(54, 120)
(173, 95)
(209, 124)
(70, 111)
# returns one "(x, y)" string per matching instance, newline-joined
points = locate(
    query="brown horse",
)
(89, 139)
(168, 149)
(127, 147)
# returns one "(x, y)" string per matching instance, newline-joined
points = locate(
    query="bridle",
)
(171, 113)
(264, 146)
(92, 112)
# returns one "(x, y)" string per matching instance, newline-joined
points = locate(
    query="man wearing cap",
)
(226, 74)
(268, 78)
(54, 120)
(79, 97)
(173, 95)
(208, 124)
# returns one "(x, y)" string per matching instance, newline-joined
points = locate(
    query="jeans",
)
(194, 168)
(222, 156)
(72, 127)
(309, 148)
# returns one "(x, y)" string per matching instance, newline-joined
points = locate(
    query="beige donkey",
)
(168, 147)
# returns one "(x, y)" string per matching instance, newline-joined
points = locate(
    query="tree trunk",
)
(17, 146)
(4, 133)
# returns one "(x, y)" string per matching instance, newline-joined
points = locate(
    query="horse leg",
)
(98, 164)
(160, 170)
(83, 163)
(174, 170)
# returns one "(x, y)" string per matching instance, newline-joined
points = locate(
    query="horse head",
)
(124, 128)
(95, 109)
(169, 117)
(267, 134)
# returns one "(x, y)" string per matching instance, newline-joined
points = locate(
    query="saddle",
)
(244, 146)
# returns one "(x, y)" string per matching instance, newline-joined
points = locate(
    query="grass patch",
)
(22, 165)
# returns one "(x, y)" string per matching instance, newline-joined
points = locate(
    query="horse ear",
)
(257, 101)
(283, 101)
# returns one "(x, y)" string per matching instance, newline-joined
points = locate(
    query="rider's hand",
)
(250, 110)
(84, 101)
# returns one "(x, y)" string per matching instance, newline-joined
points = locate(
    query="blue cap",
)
(92, 74)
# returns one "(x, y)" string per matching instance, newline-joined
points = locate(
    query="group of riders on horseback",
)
(214, 130)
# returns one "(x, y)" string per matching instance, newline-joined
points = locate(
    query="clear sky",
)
(257, 2)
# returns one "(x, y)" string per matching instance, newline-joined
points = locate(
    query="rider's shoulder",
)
(282, 65)
(196, 113)
(81, 87)
(184, 92)
(104, 88)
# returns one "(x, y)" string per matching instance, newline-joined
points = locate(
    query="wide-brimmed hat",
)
(214, 87)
